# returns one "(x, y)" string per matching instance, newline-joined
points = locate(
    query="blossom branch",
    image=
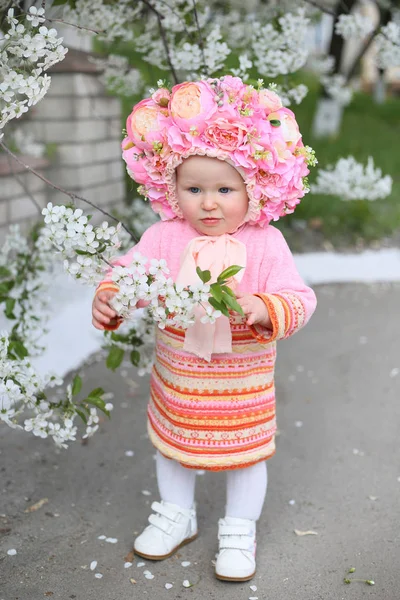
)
(72, 195)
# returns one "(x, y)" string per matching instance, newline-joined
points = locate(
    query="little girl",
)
(218, 160)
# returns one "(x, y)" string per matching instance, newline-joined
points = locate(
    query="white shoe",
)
(170, 528)
(237, 549)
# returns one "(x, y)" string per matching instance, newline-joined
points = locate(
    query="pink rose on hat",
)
(225, 135)
(191, 105)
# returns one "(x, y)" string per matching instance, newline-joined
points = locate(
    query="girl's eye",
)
(194, 190)
(224, 190)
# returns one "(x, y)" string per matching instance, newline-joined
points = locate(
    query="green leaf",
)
(82, 415)
(232, 303)
(83, 252)
(96, 393)
(4, 272)
(228, 273)
(10, 304)
(216, 292)
(205, 276)
(135, 357)
(115, 357)
(98, 403)
(228, 290)
(72, 3)
(275, 122)
(76, 385)
(5, 287)
(119, 337)
(18, 349)
(219, 306)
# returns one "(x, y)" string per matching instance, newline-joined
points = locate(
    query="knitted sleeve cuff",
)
(287, 314)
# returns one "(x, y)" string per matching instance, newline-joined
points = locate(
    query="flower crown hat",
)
(225, 119)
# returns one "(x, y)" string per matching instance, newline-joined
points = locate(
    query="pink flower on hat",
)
(161, 97)
(270, 101)
(225, 135)
(191, 105)
(144, 119)
(289, 128)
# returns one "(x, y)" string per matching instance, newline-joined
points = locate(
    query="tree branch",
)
(166, 48)
(153, 10)
(22, 184)
(361, 53)
(160, 17)
(201, 42)
(60, 189)
(74, 25)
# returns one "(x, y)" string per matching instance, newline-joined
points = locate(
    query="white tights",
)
(245, 488)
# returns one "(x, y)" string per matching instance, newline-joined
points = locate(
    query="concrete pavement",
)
(338, 384)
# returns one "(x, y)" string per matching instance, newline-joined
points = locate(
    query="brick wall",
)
(85, 124)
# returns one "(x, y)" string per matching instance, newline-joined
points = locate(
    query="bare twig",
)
(106, 261)
(74, 25)
(72, 195)
(160, 17)
(154, 10)
(166, 48)
(22, 184)
(201, 42)
(174, 12)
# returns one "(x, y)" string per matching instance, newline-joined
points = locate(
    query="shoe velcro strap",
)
(163, 510)
(234, 530)
(237, 543)
(161, 523)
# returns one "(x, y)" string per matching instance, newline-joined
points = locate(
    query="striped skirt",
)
(213, 415)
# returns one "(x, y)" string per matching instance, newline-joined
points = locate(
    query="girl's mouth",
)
(210, 221)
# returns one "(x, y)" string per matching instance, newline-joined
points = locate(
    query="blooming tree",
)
(188, 39)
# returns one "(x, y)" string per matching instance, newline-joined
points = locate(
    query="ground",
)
(337, 458)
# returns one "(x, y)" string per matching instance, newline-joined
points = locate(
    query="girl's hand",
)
(102, 314)
(254, 309)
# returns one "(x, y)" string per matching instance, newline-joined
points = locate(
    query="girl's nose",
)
(208, 202)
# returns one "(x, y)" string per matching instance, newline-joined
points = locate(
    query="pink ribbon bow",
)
(213, 253)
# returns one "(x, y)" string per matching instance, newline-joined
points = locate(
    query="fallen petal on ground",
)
(307, 532)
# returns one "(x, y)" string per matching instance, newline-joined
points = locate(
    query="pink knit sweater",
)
(270, 265)
(220, 414)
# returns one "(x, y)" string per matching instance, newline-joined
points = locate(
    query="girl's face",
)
(211, 195)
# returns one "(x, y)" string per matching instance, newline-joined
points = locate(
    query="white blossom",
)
(353, 26)
(26, 51)
(211, 315)
(35, 15)
(350, 180)
(388, 46)
(283, 50)
(336, 87)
